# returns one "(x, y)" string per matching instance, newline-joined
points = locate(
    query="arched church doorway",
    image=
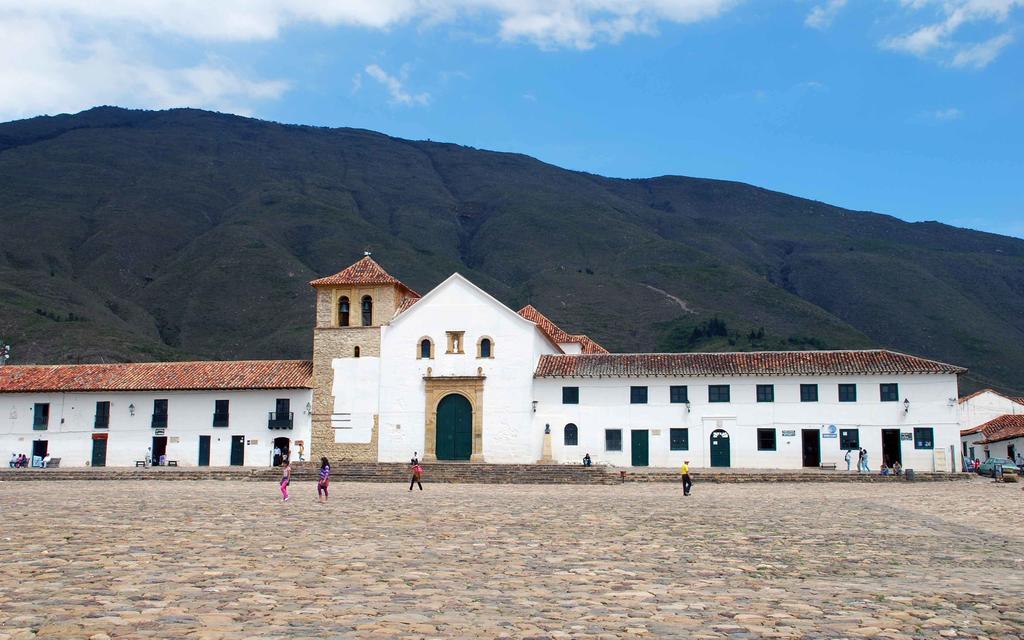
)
(454, 428)
(719, 448)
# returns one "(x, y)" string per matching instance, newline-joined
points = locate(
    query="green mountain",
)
(188, 234)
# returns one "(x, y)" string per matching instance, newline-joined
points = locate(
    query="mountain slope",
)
(165, 235)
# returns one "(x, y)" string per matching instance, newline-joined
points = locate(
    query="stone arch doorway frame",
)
(469, 387)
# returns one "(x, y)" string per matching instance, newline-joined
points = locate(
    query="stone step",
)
(458, 473)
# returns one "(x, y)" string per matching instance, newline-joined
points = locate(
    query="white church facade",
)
(456, 375)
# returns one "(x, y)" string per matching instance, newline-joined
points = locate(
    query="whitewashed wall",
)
(457, 305)
(605, 404)
(356, 389)
(986, 406)
(190, 414)
(980, 409)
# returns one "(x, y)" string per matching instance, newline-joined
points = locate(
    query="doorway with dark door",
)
(639, 446)
(281, 451)
(99, 450)
(454, 428)
(892, 451)
(159, 448)
(720, 456)
(811, 439)
(39, 450)
(204, 451)
(237, 451)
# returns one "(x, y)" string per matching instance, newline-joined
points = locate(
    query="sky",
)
(907, 107)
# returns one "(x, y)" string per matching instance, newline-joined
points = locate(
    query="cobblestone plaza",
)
(228, 559)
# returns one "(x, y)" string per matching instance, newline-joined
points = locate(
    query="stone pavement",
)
(228, 559)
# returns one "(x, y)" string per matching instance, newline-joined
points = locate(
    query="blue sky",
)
(907, 107)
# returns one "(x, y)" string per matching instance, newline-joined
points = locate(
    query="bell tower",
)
(351, 307)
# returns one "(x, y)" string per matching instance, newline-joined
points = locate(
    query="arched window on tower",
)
(367, 311)
(485, 348)
(355, 352)
(426, 349)
(572, 435)
(343, 311)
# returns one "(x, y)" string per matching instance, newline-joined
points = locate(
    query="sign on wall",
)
(788, 433)
(906, 436)
(829, 432)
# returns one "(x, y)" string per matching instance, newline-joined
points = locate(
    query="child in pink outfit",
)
(286, 478)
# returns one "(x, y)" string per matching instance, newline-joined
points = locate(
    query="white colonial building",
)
(457, 375)
(192, 413)
(992, 425)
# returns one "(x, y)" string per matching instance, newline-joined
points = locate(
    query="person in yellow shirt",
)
(687, 482)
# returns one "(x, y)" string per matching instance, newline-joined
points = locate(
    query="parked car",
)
(988, 468)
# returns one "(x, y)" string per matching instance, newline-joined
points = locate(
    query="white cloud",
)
(945, 115)
(937, 38)
(981, 54)
(821, 16)
(48, 69)
(357, 83)
(394, 85)
(63, 55)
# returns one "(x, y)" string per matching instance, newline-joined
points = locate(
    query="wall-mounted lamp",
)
(687, 407)
(547, 428)
(906, 406)
(534, 403)
(131, 409)
(309, 408)
(951, 402)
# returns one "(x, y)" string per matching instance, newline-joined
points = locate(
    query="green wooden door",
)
(99, 453)
(454, 428)
(719, 448)
(204, 451)
(237, 451)
(638, 447)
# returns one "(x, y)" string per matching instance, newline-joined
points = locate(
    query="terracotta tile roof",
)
(365, 271)
(407, 303)
(878, 361)
(556, 334)
(158, 376)
(1006, 427)
(969, 396)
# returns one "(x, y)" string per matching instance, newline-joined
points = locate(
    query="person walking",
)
(848, 458)
(860, 460)
(324, 481)
(865, 460)
(417, 472)
(687, 482)
(286, 478)
(14, 460)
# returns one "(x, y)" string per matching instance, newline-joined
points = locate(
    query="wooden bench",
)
(53, 463)
(140, 463)
(172, 463)
(829, 466)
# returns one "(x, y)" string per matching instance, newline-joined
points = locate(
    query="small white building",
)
(192, 413)
(992, 425)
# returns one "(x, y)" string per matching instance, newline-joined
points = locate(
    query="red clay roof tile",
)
(878, 361)
(365, 271)
(1005, 427)
(556, 334)
(158, 376)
